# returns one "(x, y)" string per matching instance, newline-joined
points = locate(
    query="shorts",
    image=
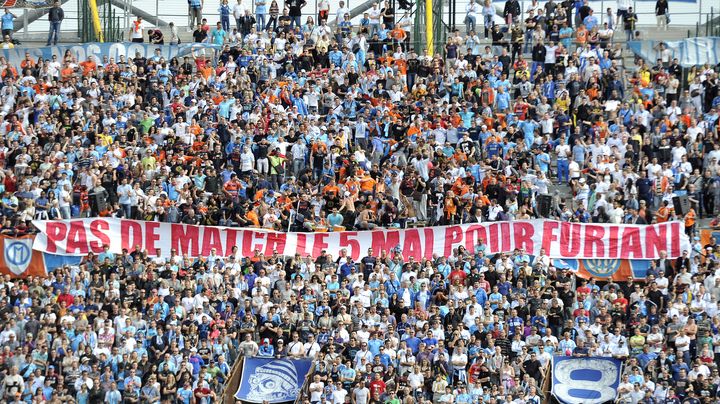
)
(622, 13)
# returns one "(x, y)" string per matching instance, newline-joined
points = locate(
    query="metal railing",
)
(711, 26)
(695, 18)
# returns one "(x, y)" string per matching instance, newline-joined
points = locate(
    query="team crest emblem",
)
(18, 254)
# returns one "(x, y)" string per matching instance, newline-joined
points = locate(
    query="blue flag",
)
(272, 380)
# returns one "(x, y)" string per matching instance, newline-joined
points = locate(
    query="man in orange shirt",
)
(27, 63)
(88, 66)
(331, 189)
(690, 222)
(663, 214)
(367, 184)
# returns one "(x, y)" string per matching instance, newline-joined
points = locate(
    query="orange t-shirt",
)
(581, 36)
(252, 216)
(331, 189)
(367, 184)
(690, 218)
(66, 73)
(88, 67)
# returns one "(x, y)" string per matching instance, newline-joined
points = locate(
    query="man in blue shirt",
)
(185, 393)
(590, 21)
(218, 34)
(8, 23)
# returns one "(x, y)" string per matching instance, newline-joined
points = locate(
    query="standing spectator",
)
(260, 13)
(472, 11)
(225, 11)
(511, 12)
(195, 12)
(341, 11)
(622, 9)
(323, 11)
(295, 8)
(488, 12)
(55, 15)
(662, 14)
(246, 23)
(8, 23)
(199, 35)
(238, 11)
(274, 13)
(374, 15)
(136, 31)
(174, 38)
(629, 24)
(218, 35)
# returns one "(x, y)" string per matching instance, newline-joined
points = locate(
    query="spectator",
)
(55, 15)
(8, 23)
(662, 13)
(195, 12)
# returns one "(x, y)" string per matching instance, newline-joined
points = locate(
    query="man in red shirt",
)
(377, 386)
(458, 275)
(621, 300)
(66, 297)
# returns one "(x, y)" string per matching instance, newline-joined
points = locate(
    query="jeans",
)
(470, 22)
(225, 21)
(65, 212)
(260, 20)
(488, 24)
(411, 80)
(238, 24)
(271, 21)
(263, 165)
(127, 208)
(195, 14)
(373, 29)
(562, 170)
(528, 42)
(295, 21)
(54, 32)
(298, 166)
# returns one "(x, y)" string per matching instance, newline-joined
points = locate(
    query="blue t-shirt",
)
(218, 36)
(8, 21)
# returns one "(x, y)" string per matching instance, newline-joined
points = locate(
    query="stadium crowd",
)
(301, 127)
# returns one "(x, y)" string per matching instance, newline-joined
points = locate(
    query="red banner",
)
(558, 239)
(19, 260)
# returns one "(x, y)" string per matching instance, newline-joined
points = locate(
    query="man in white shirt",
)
(64, 200)
(316, 390)
(473, 11)
(339, 394)
(238, 11)
(682, 345)
(311, 347)
(341, 11)
(562, 151)
(13, 384)
(374, 16)
(361, 394)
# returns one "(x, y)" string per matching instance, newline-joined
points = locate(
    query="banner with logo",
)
(615, 269)
(272, 380)
(19, 260)
(27, 3)
(111, 50)
(593, 380)
(557, 239)
(689, 52)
